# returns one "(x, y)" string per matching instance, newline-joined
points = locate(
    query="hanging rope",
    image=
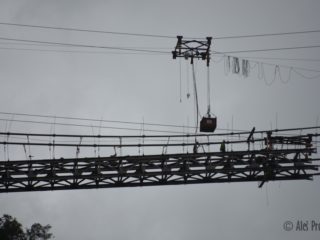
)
(262, 75)
(195, 98)
(277, 72)
(78, 148)
(54, 138)
(165, 147)
(180, 81)
(245, 68)
(183, 138)
(317, 124)
(50, 154)
(25, 151)
(9, 127)
(7, 149)
(94, 143)
(142, 134)
(29, 146)
(208, 91)
(289, 76)
(120, 142)
(4, 151)
(188, 82)
(99, 135)
(235, 65)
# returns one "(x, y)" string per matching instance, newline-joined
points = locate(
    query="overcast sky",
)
(145, 87)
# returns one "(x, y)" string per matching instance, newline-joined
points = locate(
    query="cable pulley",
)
(196, 49)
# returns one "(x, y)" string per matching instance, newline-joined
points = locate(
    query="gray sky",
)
(136, 87)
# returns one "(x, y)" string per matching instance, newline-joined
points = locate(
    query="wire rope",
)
(195, 98)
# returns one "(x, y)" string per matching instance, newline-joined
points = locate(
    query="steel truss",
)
(166, 169)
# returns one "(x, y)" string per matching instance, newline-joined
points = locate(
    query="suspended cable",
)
(265, 63)
(230, 142)
(125, 145)
(84, 45)
(155, 136)
(75, 51)
(284, 59)
(272, 49)
(105, 140)
(93, 120)
(87, 30)
(266, 34)
(305, 76)
(154, 35)
(95, 126)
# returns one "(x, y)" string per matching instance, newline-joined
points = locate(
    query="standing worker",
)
(195, 147)
(223, 146)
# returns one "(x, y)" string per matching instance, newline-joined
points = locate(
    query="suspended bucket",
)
(208, 124)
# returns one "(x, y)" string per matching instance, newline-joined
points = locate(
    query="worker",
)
(223, 146)
(195, 147)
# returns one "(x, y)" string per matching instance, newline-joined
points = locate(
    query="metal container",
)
(208, 124)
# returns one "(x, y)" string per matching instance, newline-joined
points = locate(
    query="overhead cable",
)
(87, 30)
(266, 34)
(85, 125)
(93, 120)
(271, 49)
(101, 120)
(265, 63)
(84, 45)
(8, 134)
(154, 35)
(77, 51)
(278, 58)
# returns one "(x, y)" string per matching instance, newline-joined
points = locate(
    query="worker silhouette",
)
(195, 147)
(223, 146)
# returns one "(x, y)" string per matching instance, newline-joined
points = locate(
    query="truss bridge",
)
(279, 158)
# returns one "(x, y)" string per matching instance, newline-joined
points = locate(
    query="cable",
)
(284, 59)
(94, 120)
(208, 92)
(180, 82)
(119, 128)
(54, 144)
(154, 35)
(277, 69)
(304, 76)
(87, 30)
(103, 120)
(10, 43)
(159, 136)
(294, 69)
(75, 51)
(122, 145)
(273, 49)
(83, 45)
(271, 64)
(85, 125)
(196, 97)
(266, 34)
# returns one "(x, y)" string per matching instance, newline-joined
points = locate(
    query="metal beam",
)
(166, 169)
